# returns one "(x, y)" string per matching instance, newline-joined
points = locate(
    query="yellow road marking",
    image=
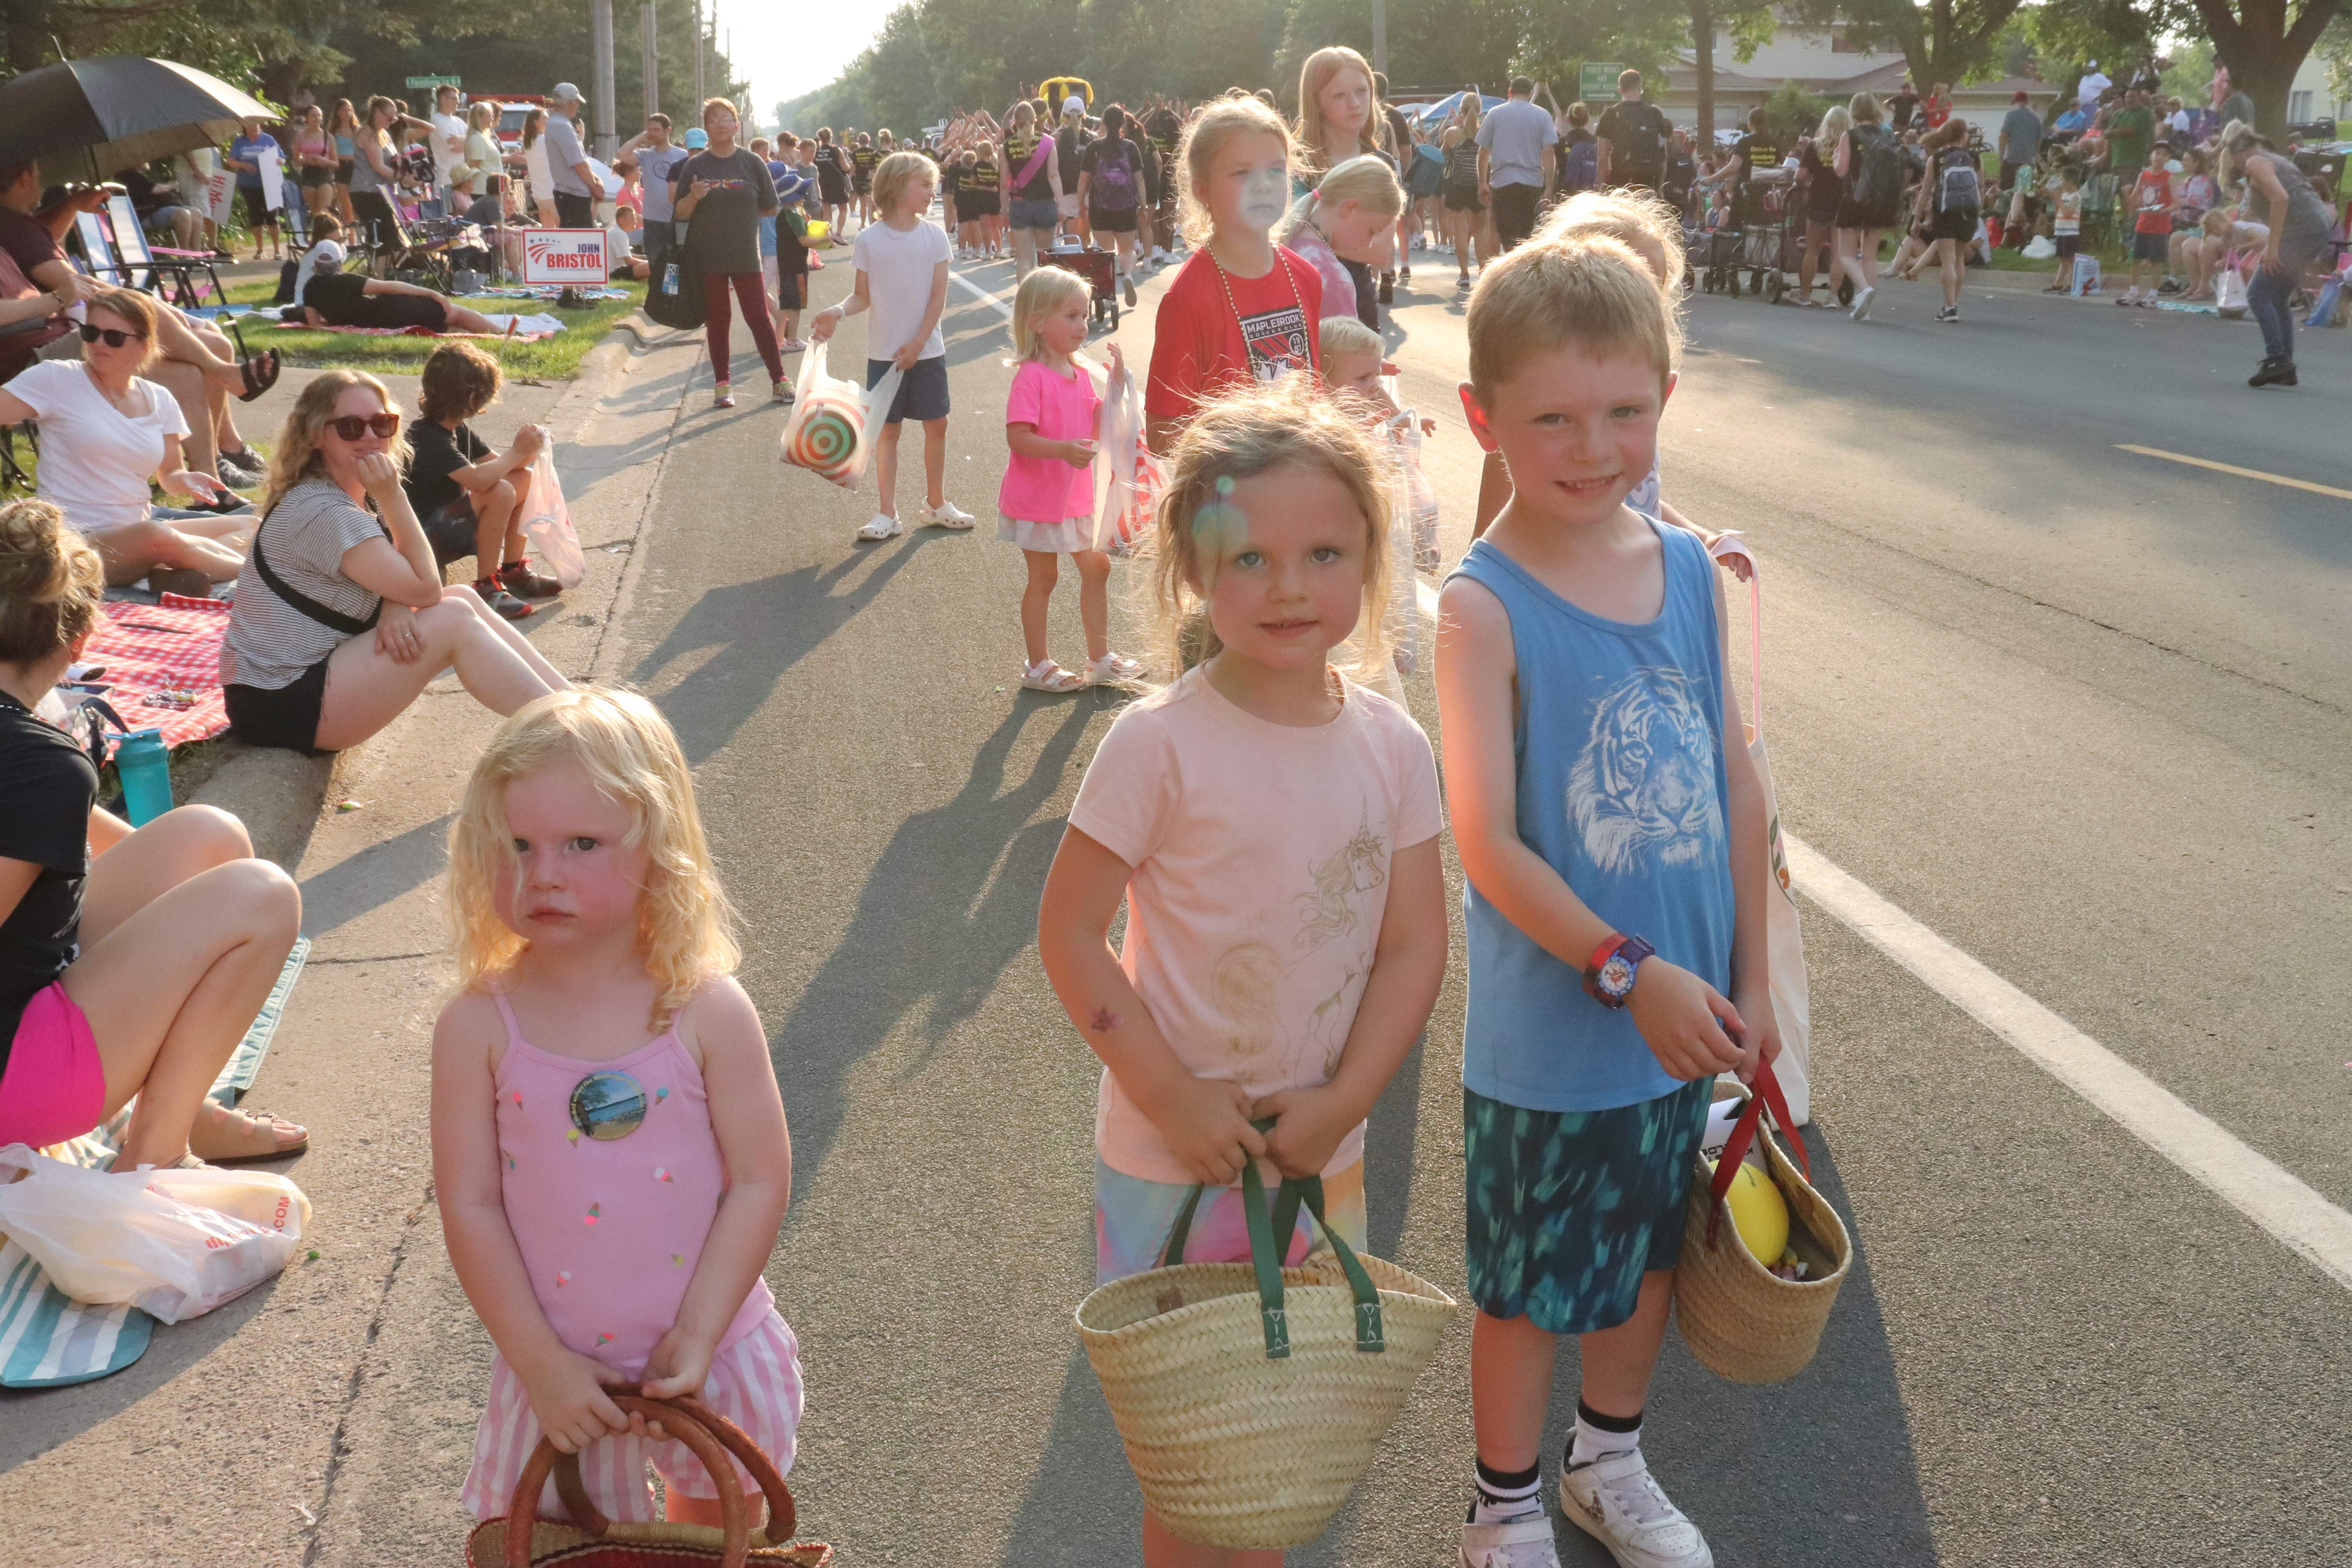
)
(2242, 473)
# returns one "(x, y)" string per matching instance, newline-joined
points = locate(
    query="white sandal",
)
(1113, 668)
(1047, 675)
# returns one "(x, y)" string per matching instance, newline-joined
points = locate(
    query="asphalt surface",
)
(2080, 710)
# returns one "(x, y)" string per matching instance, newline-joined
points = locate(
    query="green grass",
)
(551, 359)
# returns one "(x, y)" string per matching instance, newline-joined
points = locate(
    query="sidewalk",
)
(327, 1417)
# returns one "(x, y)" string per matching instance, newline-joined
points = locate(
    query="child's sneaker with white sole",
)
(1615, 1501)
(1523, 1542)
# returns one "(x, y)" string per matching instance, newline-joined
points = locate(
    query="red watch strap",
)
(1605, 951)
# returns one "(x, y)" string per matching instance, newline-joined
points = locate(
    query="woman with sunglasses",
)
(340, 617)
(106, 430)
(130, 962)
(334, 298)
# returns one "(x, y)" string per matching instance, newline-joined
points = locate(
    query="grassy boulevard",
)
(551, 359)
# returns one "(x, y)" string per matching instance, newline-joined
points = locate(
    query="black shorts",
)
(922, 391)
(1854, 215)
(2157, 247)
(1514, 213)
(312, 177)
(2068, 244)
(1461, 200)
(1111, 222)
(1960, 224)
(344, 167)
(976, 203)
(791, 291)
(287, 718)
(257, 209)
(450, 531)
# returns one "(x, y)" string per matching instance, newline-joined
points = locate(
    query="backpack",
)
(1878, 182)
(1113, 187)
(1956, 185)
(1647, 138)
(1581, 169)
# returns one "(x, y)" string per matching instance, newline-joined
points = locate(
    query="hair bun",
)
(35, 556)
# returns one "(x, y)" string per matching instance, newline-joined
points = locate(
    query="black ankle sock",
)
(1592, 1417)
(1496, 1489)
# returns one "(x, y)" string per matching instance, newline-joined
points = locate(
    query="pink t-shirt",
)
(1047, 489)
(1260, 855)
(1338, 288)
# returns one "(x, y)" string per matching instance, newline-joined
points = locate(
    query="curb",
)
(278, 795)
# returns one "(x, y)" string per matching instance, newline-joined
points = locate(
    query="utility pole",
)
(652, 65)
(1380, 37)
(599, 44)
(701, 91)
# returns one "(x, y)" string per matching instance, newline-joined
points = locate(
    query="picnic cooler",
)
(1741, 1321)
(1251, 1396)
(523, 1541)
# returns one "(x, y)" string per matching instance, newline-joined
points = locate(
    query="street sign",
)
(1596, 81)
(429, 81)
(572, 255)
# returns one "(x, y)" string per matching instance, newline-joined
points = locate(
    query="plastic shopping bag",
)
(1784, 942)
(547, 523)
(1127, 475)
(829, 429)
(2229, 290)
(1413, 538)
(151, 1237)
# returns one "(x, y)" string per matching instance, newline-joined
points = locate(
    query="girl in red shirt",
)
(1242, 308)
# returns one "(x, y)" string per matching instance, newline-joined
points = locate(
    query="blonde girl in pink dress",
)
(609, 1146)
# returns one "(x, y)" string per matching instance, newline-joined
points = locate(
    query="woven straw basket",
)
(1251, 1396)
(1739, 1319)
(521, 1540)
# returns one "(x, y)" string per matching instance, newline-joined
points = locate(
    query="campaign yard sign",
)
(563, 255)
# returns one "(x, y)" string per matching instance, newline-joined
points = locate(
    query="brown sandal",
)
(255, 1124)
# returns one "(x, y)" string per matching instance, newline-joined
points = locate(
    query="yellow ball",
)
(1760, 1213)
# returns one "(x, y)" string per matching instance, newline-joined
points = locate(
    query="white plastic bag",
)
(153, 1238)
(1413, 538)
(2230, 291)
(2040, 247)
(1784, 941)
(829, 429)
(1128, 475)
(547, 523)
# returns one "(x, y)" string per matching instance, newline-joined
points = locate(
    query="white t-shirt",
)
(898, 268)
(2087, 91)
(95, 458)
(618, 249)
(1259, 857)
(448, 145)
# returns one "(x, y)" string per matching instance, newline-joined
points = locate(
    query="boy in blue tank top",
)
(1612, 832)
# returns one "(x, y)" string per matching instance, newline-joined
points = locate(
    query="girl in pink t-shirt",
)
(1272, 827)
(610, 1201)
(1047, 500)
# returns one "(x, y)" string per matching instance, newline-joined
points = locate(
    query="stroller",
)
(1712, 257)
(1775, 234)
(1100, 269)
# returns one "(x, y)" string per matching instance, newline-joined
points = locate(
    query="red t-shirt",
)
(1268, 329)
(2152, 203)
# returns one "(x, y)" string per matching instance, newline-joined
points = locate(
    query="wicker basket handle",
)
(1744, 1131)
(1264, 1221)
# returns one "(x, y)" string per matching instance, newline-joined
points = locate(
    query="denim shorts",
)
(1038, 214)
(922, 391)
(1568, 1209)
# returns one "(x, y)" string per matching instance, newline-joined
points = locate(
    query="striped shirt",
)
(305, 536)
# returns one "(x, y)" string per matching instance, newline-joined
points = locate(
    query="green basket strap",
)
(1266, 1257)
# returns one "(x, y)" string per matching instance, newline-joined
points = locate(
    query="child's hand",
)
(822, 324)
(1309, 1126)
(1079, 454)
(1429, 426)
(569, 1402)
(677, 1366)
(905, 358)
(1117, 361)
(1207, 1126)
(1760, 1041)
(1678, 1016)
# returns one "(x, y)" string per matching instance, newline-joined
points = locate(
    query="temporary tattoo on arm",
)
(1105, 1021)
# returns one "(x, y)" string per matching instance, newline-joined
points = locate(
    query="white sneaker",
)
(881, 525)
(1523, 1542)
(1615, 1501)
(946, 514)
(1861, 304)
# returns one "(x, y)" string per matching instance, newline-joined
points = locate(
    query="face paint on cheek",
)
(1265, 196)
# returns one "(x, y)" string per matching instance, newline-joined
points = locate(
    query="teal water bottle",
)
(146, 770)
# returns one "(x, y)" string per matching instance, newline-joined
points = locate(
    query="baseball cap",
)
(697, 138)
(1074, 107)
(566, 92)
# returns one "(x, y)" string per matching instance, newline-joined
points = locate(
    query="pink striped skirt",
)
(754, 1382)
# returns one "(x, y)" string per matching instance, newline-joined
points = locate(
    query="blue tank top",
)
(1622, 791)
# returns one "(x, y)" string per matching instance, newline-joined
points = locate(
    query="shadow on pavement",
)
(952, 899)
(1816, 1469)
(375, 877)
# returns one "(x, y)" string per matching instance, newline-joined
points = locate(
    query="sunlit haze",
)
(786, 50)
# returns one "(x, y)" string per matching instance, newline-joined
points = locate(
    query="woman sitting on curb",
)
(130, 962)
(106, 430)
(341, 616)
(468, 497)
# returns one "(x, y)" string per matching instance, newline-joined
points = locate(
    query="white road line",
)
(979, 293)
(2254, 1185)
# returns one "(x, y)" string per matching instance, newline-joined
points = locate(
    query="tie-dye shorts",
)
(1568, 1209)
(1133, 1216)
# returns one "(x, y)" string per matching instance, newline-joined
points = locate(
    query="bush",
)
(1791, 112)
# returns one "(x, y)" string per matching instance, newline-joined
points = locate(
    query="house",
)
(1820, 60)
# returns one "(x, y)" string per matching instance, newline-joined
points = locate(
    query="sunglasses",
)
(608, 1106)
(114, 339)
(352, 426)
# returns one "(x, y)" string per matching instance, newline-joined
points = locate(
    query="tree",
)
(1941, 40)
(2264, 43)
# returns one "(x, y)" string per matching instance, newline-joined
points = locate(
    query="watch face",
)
(1616, 977)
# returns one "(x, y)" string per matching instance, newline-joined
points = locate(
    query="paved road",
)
(2080, 710)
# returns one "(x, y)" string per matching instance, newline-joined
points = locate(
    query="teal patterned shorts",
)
(1568, 1209)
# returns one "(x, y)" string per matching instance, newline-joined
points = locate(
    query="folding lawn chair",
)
(133, 248)
(13, 475)
(2101, 209)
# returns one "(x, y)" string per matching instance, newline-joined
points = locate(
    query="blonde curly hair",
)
(685, 920)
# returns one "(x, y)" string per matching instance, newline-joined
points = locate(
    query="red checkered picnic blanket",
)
(411, 332)
(174, 647)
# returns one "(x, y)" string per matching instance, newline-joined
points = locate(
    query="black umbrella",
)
(116, 112)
